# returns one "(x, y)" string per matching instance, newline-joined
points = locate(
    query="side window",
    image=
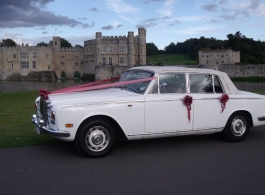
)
(201, 83)
(217, 85)
(172, 83)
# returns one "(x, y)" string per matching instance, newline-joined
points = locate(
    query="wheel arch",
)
(248, 113)
(117, 128)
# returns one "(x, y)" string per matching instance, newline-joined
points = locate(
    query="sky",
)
(165, 21)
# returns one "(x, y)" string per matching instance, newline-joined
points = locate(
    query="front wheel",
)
(237, 127)
(95, 138)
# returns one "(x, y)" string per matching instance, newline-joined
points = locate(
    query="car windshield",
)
(139, 87)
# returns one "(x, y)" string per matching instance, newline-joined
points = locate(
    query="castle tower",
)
(98, 48)
(56, 43)
(142, 46)
(131, 49)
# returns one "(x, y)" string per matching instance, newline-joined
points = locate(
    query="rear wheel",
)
(237, 127)
(95, 138)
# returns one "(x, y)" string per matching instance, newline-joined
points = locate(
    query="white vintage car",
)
(150, 102)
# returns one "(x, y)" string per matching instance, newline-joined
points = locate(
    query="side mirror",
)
(164, 85)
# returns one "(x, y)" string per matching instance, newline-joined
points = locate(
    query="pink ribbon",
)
(91, 86)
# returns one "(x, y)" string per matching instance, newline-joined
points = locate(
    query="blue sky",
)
(166, 21)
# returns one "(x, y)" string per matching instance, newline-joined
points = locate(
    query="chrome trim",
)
(261, 118)
(46, 130)
(181, 131)
(100, 103)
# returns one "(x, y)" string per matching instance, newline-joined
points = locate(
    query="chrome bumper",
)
(42, 129)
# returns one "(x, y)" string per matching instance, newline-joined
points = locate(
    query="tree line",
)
(251, 51)
(12, 43)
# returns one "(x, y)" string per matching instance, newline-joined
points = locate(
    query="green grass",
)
(16, 129)
(173, 59)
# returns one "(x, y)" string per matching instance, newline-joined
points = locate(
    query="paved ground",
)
(179, 165)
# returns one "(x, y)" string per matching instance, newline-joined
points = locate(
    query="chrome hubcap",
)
(97, 138)
(238, 126)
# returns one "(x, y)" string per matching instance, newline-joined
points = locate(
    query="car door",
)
(206, 91)
(165, 112)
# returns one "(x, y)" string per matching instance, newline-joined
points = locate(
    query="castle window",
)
(222, 62)
(24, 55)
(103, 49)
(62, 57)
(14, 56)
(62, 64)
(110, 60)
(104, 61)
(216, 62)
(76, 57)
(34, 64)
(110, 48)
(202, 56)
(122, 48)
(207, 56)
(77, 64)
(122, 60)
(55, 42)
(222, 56)
(12, 66)
(24, 64)
(35, 55)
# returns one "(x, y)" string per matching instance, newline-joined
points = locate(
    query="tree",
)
(8, 43)
(42, 44)
(65, 43)
(151, 49)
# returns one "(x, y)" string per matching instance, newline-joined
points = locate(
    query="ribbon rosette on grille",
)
(44, 93)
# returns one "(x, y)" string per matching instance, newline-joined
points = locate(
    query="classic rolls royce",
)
(148, 102)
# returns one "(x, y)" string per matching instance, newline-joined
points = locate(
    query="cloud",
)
(148, 1)
(174, 23)
(197, 30)
(30, 13)
(108, 27)
(222, 1)
(94, 9)
(44, 32)
(254, 4)
(167, 9)
(210, 7)
(119, 6)
(84, 18)
(92, 24)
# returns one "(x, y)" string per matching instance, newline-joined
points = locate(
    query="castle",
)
(25, 62)
(218, 56)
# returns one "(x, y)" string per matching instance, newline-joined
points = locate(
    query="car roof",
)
(161, 69)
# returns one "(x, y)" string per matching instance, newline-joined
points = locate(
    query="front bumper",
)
(41, 128)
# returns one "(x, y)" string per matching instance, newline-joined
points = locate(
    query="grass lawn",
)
(173, 59)
(16, 129)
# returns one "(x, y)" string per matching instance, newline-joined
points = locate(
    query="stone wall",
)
(106, 72)
(31, 76)
(248, 70)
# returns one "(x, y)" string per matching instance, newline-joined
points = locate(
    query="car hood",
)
(91, 97)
